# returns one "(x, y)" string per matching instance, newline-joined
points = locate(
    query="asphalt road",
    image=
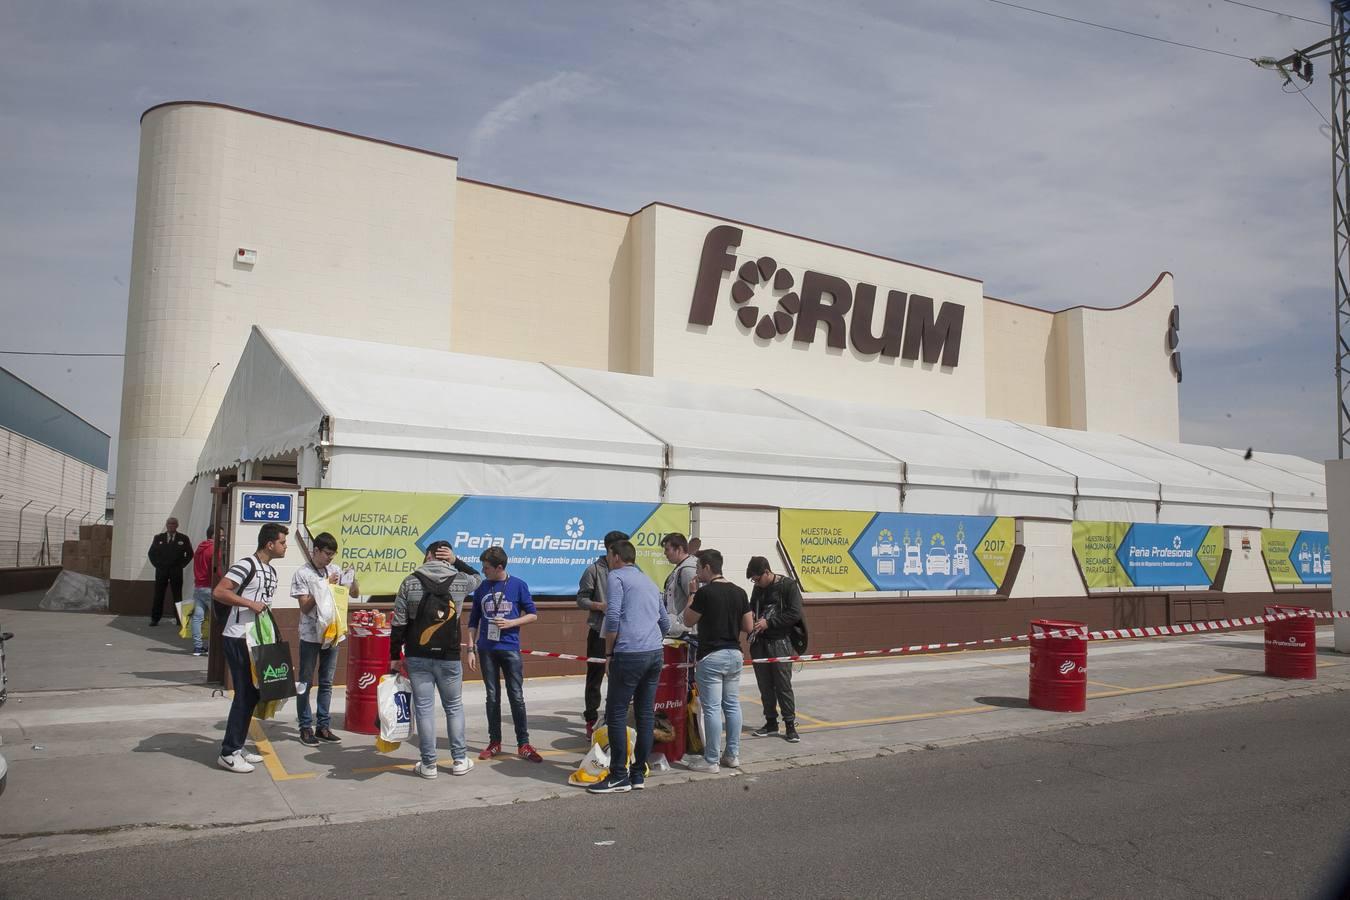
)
(1247, 801)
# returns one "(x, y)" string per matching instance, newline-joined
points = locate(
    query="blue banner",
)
(549, 543)
(1170, 555)
(915, 552)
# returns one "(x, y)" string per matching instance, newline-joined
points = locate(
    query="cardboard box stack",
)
(91, 554)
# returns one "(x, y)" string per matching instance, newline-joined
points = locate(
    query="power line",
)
(1147, 37)
(1276, 12)
(54, 353)
(1304, 92)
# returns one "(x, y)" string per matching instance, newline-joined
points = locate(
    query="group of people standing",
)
(629, 619)
(424, 644)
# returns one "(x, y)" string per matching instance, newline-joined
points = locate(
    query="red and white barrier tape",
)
(1110, 634)
(1104, 635)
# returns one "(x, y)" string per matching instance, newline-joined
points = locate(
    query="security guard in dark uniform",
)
(169, 552)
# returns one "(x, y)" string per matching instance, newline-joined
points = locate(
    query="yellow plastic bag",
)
(336, 630)
(693, 730)
(185, 610)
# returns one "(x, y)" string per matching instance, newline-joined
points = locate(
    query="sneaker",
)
(252, 758)
(699, 764)
(525, 751)
(766, 729)
(198, 651)
(461, 766)
(637, 779)
(491, 750)
(791, 735)
(426, 771)
(154, 623)
(234, 763)
(307, 737)
(326, 734)
(614, 784)
(731, 762)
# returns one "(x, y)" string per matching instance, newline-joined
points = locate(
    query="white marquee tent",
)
(383, 417)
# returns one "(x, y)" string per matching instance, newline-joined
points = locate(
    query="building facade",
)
(244, 218)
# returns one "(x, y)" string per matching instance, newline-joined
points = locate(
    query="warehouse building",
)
(755, 373)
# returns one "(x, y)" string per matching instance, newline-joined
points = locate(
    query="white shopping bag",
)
(394, 696)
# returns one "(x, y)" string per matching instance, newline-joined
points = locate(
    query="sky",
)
(1059, 163)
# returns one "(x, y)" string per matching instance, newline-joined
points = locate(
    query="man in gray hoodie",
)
(424, 647)
(591, 597)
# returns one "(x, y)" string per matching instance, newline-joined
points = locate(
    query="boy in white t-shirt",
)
(247, 589)
(311, 585)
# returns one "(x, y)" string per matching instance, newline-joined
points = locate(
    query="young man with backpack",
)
(776, 602)
(680, 582)
(501, 605)
(424, 647)
(244, 593)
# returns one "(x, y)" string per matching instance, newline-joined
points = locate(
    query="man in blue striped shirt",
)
(635, 623)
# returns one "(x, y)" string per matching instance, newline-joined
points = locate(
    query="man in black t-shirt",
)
(721, 611)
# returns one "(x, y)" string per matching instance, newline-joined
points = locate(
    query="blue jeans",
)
(497, 663)
(312, 655)
(719, 684)
(201, 599)
(428, 677)
(632, 679)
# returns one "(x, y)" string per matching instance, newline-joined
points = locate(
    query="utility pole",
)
(1299, 64)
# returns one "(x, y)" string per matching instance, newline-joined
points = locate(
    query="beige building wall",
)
(1118, 371)
(60, 493)
(353, 237)
(1022, 368)
(541, 279)
(728, 353)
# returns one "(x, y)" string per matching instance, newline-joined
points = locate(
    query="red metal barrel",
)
(1291, 644)
(672, 700)
(1058, 666)
(367, 660)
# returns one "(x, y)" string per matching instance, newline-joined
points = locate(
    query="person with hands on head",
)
(591, 597)
(501, 605)
(635, 625)
(424, 648)
(246, 590)
(310, 584)
(721, 611)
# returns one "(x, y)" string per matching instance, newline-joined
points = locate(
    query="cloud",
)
(530, 101)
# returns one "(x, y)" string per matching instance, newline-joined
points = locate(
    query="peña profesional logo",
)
(909, 329)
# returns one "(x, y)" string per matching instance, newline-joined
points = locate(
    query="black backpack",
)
(434, 632)
(220, 611)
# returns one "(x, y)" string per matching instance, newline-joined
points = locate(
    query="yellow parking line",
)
(801, 715)
(270, 758)
(1120, 692)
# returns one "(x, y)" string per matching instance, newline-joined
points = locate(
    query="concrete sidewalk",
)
(112, 737)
